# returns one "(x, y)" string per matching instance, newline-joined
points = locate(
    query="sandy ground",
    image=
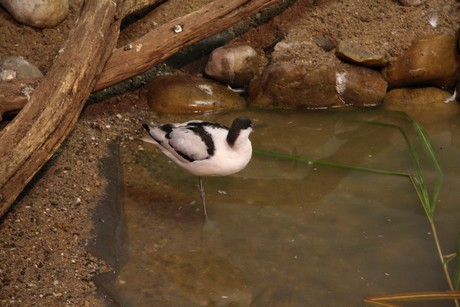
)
(45, 237)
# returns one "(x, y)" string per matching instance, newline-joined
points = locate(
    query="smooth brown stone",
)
(431, 61)
(353, 53)
(184, 94)
(293, 86)
(363, 87)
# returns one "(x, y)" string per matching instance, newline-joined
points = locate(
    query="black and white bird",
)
(204, 148)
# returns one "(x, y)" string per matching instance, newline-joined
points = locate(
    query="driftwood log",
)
(156, 46)
(39, 129)
(162, 42)
(53, 108)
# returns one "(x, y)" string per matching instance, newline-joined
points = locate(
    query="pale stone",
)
(234, 65)
(411, 2)
(355, 53)
(37, 13)
(16, 67)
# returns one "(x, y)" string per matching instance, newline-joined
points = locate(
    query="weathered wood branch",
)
(162, 42)
(39, 129)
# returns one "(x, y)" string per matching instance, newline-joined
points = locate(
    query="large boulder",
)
(295, 86)
(431, 61)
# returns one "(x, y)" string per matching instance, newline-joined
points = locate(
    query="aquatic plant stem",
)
(444, 262)
(420, 190)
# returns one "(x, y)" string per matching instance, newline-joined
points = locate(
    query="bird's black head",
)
(240, 123)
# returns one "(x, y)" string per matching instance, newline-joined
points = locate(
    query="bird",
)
(204, 148)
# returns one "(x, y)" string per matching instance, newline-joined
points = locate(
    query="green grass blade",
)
(271, 154)
(457, 268)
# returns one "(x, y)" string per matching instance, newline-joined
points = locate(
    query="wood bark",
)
(162, 42)
(39, 129)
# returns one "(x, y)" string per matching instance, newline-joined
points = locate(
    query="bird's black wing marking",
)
(206, 138)
(199, 129)
(167, 128)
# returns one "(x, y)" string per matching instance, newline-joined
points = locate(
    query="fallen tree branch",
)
(164, 41)
(54, 107)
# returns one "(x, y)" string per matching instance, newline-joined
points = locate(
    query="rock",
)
(16, 67)
(352, 52)
(360, 86)
(235, 65)
(431, 61)
(427, 105)
(293, 86)
(37, 13)
(185, 94)
(411, 2)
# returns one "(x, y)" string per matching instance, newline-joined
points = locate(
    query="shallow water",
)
(284, 232)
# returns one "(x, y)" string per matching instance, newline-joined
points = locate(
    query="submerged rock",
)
(37, 13)
(185, 94)
(235, 65)
(429, 104)
(352, 52)
(432, 61)
(294, 86)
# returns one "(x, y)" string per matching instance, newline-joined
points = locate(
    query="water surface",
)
(284, 232)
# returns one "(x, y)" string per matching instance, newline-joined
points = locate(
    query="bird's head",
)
(241, 128)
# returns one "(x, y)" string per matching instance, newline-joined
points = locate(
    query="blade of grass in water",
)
(457, 268)
(418, 181)
(429, 204)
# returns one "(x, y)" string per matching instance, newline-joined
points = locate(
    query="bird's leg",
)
(203, 197)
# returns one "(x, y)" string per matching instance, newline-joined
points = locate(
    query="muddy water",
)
(287, 232)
